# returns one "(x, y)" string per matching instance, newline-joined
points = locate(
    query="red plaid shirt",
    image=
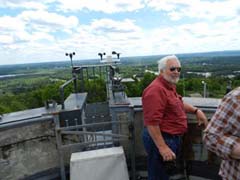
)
(223, 132)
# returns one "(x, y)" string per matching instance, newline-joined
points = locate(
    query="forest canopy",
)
(33, 84)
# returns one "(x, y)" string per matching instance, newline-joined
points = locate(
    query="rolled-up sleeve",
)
(154, 102)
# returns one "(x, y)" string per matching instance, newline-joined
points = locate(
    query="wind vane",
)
(109, 59)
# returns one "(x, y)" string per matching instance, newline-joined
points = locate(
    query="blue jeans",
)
(156, 166)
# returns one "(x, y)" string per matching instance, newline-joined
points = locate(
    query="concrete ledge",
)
(102, 164)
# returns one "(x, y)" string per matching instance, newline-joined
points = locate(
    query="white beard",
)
(170, 79)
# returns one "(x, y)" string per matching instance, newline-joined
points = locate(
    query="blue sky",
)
(41, 31)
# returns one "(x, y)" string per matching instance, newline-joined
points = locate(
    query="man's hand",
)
(201, 118)
(166, 153)
(163, 148)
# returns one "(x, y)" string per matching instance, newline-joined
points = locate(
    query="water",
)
(10, 75)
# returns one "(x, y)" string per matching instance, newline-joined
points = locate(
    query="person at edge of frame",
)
(222, 135)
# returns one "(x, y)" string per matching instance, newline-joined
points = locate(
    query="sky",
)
(41, 31)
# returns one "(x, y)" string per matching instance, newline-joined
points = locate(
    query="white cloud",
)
(195, 37)
(51, 30)
(102, 35)
(8, 23)
(110, 26)
(24, 4)
(29, 33)
(50, 21)
(12, 29)
(165, 5)
(196, 8)
(32, 26)
(105, 6)
(212, 10)
(4, 39)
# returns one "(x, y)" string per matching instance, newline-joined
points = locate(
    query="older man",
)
(165, 118)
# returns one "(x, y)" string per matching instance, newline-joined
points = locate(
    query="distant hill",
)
(155, 58)
(212, 54)
(124, 60)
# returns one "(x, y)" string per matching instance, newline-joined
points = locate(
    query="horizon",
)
(96, 59)
(34, 32)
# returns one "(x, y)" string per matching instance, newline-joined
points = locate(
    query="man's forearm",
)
(156, 135)
(166, 153)
(189, 108)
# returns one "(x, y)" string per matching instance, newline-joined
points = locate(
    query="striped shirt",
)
(223, 132)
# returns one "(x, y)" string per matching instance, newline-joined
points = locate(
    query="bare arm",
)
(163, 148)
(201, 117)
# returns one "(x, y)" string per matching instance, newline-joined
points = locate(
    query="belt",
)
(172, 135)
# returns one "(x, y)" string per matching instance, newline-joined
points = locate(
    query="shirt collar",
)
(166, 83)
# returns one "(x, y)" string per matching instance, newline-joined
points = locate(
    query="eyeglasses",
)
(175, 68)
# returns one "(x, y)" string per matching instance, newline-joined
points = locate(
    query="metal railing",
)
(85, 137)
(82, 75)
(62, 87)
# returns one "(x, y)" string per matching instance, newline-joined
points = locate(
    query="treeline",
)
(43, 80)
(10, 102)
(216, 86)
(96, 88)
(36, 97)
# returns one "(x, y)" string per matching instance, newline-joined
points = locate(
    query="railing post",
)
(62, 90)
(82, 80)
(59, 144)
(132, 140)
(75, 83)
(62, 96)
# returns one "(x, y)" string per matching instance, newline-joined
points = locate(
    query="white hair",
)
(162, 63)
